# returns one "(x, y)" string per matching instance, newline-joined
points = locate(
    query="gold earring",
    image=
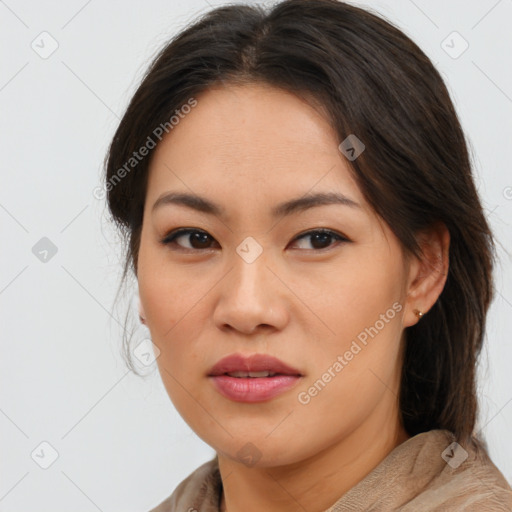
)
(418, 312)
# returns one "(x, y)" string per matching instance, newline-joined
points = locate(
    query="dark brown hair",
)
(371, 80)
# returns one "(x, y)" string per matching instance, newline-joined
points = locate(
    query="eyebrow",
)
(306, 202)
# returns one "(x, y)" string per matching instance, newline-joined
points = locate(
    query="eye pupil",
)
(202, 238)
(324, 238)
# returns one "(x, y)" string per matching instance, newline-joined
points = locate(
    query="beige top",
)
(425, 473)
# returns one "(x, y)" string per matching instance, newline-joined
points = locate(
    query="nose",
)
(251, 298)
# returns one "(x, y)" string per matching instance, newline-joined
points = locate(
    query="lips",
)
(256, 378)
(242, 366)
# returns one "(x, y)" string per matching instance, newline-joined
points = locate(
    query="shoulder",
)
(431, 472)
(465, 477)
(198, 492)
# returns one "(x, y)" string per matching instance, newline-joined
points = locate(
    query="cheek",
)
(358, 293)
(173, 313)
(167, 294)
(363, 310)
(176, 315)
(163, 299)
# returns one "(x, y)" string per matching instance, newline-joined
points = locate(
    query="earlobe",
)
(428, 273)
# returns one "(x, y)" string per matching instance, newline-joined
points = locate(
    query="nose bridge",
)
(250, 269)
(247, 296)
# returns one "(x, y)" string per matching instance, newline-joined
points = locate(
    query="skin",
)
(304, 301)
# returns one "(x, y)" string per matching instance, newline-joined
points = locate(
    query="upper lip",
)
(252, 363)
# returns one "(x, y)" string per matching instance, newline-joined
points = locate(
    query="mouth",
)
(252, 375)
(253, 366)
(256, 378)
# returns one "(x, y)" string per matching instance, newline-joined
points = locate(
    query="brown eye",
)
(196, 239)
(321, 239)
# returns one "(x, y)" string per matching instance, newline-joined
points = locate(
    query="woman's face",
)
(254, 278)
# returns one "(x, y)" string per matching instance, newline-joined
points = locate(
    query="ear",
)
(427, 274)
(142, 314)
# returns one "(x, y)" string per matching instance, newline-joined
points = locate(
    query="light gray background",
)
(121, 445)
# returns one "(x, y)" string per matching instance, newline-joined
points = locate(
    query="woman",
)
(313, 263)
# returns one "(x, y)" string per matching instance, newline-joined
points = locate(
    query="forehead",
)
(251, 140)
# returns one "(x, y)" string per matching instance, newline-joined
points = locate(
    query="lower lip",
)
(253, 389)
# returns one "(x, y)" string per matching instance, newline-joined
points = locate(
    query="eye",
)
(200, 240)
(321, 238)
(197, 239)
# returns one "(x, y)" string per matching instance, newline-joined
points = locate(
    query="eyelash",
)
(170, 238)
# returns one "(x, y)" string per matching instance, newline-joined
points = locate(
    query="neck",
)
(313, 484)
